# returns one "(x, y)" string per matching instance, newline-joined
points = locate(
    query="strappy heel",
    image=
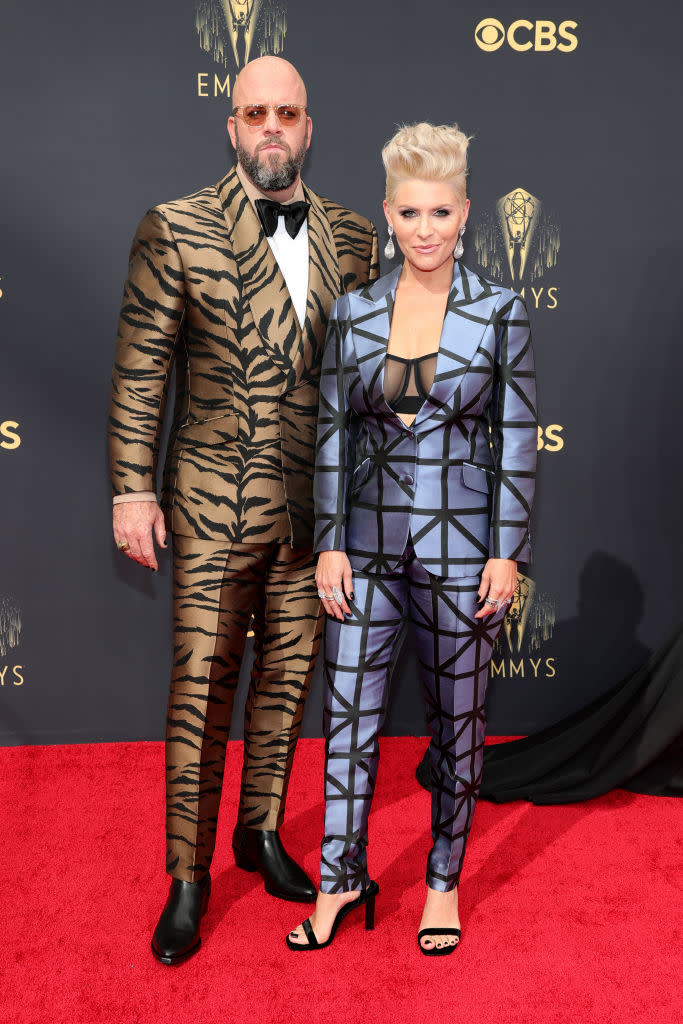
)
(366, 899)
(430, 933)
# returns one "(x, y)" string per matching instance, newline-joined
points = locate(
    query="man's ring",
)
(323, 596)
(123, 545)
(337, 595)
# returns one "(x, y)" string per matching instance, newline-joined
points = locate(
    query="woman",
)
(424, 481)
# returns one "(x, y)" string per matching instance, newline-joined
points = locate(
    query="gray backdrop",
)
(575, 159)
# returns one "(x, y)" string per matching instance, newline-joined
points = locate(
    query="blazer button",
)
(408, 479)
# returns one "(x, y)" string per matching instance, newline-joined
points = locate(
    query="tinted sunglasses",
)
(254, 114)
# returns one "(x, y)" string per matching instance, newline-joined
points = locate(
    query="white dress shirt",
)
(292, 258)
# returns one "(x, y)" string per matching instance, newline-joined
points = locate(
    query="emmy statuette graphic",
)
(234, 32)
(518, 212)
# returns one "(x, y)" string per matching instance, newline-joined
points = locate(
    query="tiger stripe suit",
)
(205, 293)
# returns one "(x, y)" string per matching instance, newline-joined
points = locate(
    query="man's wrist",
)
(119, 499)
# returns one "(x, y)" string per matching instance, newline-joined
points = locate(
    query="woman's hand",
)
(498, 584)
(334, 572)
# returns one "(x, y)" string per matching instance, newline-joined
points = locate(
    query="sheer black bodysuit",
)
(407, 382)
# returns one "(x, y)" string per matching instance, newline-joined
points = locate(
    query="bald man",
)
(234, 285)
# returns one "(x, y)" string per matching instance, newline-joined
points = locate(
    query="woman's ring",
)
(122, 545)
(492, 600)
(323, 596)
(337, 595)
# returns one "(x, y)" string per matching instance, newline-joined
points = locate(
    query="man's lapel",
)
(324, 282)
(263, 285)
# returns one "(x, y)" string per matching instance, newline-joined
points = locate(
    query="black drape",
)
(631, 737)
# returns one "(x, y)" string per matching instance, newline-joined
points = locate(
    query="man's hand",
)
(498, 585)
(137, 523)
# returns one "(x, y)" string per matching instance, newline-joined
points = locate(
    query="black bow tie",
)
(269, 211)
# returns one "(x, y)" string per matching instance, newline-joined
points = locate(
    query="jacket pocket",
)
(206, 433)
(361, 474)
(477, 478)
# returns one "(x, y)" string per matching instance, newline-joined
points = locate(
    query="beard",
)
(271, 176)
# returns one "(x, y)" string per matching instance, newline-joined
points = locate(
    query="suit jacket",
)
(460, 479)
(205, 291)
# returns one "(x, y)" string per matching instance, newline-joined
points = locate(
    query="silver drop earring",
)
(459, 247)
(389, 248)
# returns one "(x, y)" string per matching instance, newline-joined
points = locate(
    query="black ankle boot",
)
(176, 937)
(262, 851)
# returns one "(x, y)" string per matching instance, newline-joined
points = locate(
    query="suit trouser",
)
(454, 650)
(217, 588)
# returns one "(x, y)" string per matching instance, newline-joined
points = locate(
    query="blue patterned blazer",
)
(460, 479)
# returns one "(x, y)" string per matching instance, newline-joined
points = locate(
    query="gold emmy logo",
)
(517, 617)
(519, 243)
(527, 626)
(10, 631)
(518, 216)
(523, 35)
(234, 32)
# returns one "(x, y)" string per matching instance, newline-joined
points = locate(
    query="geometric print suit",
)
(205, 295)
(419, 509)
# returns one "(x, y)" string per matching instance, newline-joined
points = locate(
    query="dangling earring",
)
(389, 250)
(459, 247)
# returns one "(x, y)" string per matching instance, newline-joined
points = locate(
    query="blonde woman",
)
(424, 481)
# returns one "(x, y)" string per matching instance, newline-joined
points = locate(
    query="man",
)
(235, 289)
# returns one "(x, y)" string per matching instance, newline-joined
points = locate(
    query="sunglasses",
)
(254, 114)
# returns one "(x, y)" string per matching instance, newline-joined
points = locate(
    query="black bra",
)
(407, 382)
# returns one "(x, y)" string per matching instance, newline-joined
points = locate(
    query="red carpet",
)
(570, 914)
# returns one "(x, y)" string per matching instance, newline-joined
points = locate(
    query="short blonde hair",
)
(428, 152)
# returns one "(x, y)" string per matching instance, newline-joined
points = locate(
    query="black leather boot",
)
(176, 937)
(262, 851)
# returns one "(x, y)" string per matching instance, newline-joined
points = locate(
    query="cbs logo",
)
(521, 35)
(9, 438)
(550, 439)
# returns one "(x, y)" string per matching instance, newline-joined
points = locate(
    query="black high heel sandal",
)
(430, 933)
(366, 898)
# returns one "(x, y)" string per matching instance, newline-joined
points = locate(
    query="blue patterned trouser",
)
(454, 650)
